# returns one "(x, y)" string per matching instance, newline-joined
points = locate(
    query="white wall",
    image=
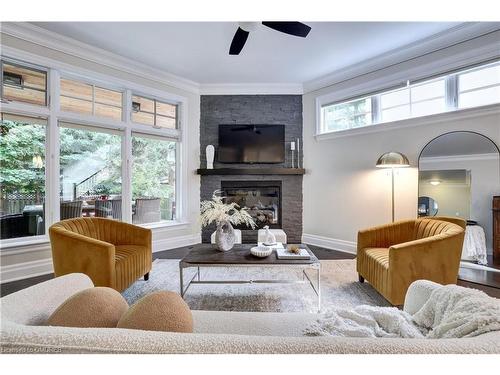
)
(344, 192)
(485, 182)
(20, 262)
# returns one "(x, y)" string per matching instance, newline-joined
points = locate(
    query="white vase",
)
(225, 236)
(210, 153)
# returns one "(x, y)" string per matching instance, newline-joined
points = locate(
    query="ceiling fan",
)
(244, 29)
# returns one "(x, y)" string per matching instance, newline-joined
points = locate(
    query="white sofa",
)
(23, 315)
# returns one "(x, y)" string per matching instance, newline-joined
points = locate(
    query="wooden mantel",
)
(251, 171)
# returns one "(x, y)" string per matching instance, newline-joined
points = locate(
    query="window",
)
(90, 172)
(154, 113)
(479, 87)
(469, 88)
(24, 84)
(413, 101)
(89, 99)
(348, 115)
(22, 178)
(153, 179)
(91, 176)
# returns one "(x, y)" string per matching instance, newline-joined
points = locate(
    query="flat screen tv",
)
(251, 144)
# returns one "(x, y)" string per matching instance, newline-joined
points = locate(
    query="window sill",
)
(165, 224)
(415, 121)
(40, 243)
(33, 243)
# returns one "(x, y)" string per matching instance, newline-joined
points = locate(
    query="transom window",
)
(479, 87)
(467, 88)
(154, 113)
(23, 84)
(80, 97)
(413, 101)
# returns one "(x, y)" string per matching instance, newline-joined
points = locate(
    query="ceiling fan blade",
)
(239, 40)
(292, 28)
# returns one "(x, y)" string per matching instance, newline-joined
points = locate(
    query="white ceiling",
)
(199, 50)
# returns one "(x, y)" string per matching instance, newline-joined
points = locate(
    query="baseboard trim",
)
(175, 242)
(330, 243)
(26, 270)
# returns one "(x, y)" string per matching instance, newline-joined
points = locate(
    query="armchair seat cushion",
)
(378, 255)
(131, 260)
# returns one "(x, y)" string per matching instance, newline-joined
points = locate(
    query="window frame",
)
(95, 84)
(451, 101)
(155, 100)
(55, 70)
(27, 65)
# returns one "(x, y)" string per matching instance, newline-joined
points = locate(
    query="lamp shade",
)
(393, 160)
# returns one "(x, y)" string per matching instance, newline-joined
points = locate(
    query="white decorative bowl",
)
(261, 252)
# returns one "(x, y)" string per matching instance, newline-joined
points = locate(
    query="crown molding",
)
(458, 34)
(252, 89)
(72, 47)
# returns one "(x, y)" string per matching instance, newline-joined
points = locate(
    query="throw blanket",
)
(453, 311)
(450, 312)
(475, 244)
(365, 321)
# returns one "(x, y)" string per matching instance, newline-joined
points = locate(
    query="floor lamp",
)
(392, 160)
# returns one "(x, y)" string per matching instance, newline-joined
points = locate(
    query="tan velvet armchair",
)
(390, 257)
(112, 253)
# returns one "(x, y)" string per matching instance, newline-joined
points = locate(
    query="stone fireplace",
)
(261, 199)
(273, 195)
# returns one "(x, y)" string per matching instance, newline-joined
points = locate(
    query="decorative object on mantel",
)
(292, 149)
(210, 154)
(270, 238)
(392, 160)
(298, 152)
(222, 214)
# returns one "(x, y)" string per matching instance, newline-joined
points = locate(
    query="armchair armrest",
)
(385, 235)
(73, 252)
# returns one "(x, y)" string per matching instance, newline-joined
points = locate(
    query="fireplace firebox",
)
(262, 199)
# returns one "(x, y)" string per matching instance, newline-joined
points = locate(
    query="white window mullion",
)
(376, 112)
(451, 92)
(52, 153)
(127, 159)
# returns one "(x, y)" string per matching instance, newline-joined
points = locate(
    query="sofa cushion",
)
(159, 311)
(92, 307)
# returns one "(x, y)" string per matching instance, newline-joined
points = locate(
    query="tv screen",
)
(251, 144)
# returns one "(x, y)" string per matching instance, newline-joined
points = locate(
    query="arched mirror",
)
(459, 175)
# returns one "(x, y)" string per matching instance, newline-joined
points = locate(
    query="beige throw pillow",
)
(159, 311)
(93, 307)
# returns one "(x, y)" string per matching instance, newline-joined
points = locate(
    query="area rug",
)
(339, 288)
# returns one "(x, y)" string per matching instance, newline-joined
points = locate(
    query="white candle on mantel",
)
(292, 146)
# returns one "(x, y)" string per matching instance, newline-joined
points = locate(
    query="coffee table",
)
(207, 255)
